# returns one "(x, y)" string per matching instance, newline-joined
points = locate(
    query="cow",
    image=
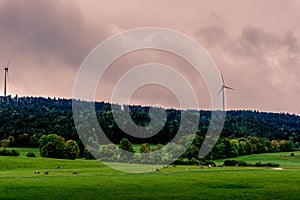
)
(47, 171)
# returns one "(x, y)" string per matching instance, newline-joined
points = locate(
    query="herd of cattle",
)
(47, 171)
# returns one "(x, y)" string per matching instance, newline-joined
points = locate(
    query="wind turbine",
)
(5, 74)
(223, 91)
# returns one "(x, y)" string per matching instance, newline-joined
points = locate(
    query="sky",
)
(255, 45)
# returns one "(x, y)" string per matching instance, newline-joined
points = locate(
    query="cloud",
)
(46, 30)
(213, 35)
(254, 43)
(45, 41)
(261, 65)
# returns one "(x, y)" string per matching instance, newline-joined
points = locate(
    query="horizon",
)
(207, 110)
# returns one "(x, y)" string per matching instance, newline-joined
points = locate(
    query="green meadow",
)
(97, 181)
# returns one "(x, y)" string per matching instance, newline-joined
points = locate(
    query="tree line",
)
(26, 120)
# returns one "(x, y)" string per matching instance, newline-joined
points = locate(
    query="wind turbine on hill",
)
(5, 77)
(223, 91)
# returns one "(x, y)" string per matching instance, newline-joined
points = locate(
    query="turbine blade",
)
(223, 79)
(6, 70)
(222, 88)
(228, 87)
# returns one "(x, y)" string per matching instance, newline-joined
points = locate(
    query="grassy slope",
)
(96, 181)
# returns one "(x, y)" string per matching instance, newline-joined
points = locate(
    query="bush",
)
(194, 161)
(71, 150)
(230, 162)
(88, 153)
(145, 148)
(181, 161)
(30, 154)
(52, 146)
(126, 145)
(108, 152)
(15, 152)
(5, 152)
(243, 163)
(5, 144)
(235, 163)
(191, 152)
(259, 164)
(209, 162)
(126, 149)
(12, 152)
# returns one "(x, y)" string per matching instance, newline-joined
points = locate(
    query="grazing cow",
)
(268, 167)
(75, 173)
(156, 169)
(165, 166)
(200, 166)
(174, 165)
(47, 171)
(36, 172)
(209, 166)
(187, 169)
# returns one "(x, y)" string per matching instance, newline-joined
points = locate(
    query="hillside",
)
(27, 118)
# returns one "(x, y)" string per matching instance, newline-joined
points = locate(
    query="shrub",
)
(186, 161)
(194, 161)
(154, 158)
(15, 152)
(235, 163)
(12, 152)
(71, 150)
(292, 154)
(181, 161)
(159, 146)
(126, 149)
(88, 153)
(191, 152)
(30, 154)
(273, 164)
(145, 148)
(259, 164)
(5, 152)
(108, 152)
(5, 143)
(126, 145)
(209, 162)
(52, 146)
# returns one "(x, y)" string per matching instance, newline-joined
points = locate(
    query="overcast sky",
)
(254, 43)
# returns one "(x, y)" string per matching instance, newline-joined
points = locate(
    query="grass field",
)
(96, 181)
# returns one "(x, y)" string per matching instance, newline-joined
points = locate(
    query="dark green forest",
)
(25, 120)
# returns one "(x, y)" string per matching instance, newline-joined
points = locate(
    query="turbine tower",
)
(5, 77)
(223, 91)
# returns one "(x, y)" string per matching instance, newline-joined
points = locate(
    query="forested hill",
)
(28, 118)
